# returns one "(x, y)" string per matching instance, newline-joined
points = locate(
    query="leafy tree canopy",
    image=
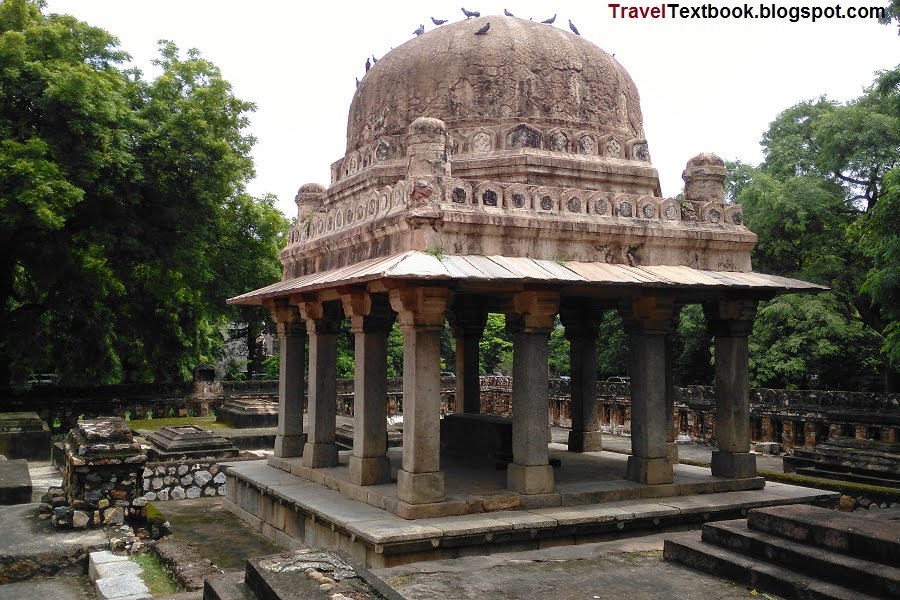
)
(124, 221)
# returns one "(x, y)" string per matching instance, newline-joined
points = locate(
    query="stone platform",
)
(591, 502)
(24, 435)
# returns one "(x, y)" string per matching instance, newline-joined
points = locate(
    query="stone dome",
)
(571, 95)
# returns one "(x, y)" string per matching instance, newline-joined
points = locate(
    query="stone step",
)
(827, 472)
(688, 549)
(227, 586)
(862, 575)
(871, 539)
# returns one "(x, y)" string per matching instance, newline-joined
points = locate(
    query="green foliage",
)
(558, 351)
(154, 574)
(692, 351)
(880, 240)
(821, 204)
(270, 367)
(125, 224)
(495, 346)
(807, 342)
(612, 347)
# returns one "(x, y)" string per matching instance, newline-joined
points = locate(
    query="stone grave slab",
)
(15, 482)
(189, 441)
(24, 435)
(243, 413)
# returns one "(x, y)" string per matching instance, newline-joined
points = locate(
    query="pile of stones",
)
(849, 503)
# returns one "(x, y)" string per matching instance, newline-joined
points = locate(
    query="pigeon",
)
(483, 30)
(471, 13)
(438, 21)
(573, 28)
(418, 31)
(368, 65)
(507, 13)
(550, 20)
(374, 60)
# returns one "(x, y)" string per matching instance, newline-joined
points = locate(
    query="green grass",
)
(154, 424)
(155, 575)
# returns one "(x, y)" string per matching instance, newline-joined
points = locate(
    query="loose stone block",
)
(15, 482)
(122, 586)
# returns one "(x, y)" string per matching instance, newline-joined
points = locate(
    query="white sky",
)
(705, 85)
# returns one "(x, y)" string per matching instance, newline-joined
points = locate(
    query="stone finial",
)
(309, 198)
(704, 179)
(426, 147)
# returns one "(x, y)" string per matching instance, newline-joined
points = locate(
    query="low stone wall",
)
(177, 480)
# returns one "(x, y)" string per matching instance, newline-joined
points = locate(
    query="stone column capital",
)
(467, 316)
(322, 318)
(286, 316)
(367, 312)
(650, 315)
(580, 317)
(532, 311)
(730, 317)
(421, 307)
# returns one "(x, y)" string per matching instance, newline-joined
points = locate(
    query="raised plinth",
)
(243, 413)
(188, 441)
(24, 435)
(374, 526)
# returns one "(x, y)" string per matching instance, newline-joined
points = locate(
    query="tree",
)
(125, 222)
(495, 345)
(880, 240)
(814, 203)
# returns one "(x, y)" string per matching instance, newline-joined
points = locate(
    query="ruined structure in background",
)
(508, 173)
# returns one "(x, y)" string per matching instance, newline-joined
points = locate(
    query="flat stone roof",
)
(459, 270)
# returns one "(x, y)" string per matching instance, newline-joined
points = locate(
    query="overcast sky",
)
(705, 85)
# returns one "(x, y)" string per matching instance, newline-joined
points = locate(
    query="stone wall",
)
(177, 480)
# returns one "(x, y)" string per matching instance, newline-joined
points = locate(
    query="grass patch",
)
(154, 424)
(884, 494)
(155, 576)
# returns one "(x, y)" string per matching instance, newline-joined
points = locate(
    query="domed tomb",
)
(569, 95)
(504, 173)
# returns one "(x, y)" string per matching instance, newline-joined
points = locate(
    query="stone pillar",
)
(467, 319)
(671, 426)
(291, 367)
(530, 322)
(421, 314)
(731, 321)
(648, 320)
(582, 322)
(370, 320)
(322, 322)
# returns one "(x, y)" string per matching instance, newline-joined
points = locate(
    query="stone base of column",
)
(370, 471)
(649, 471)
(287, 446)
(584, 441)
(420, 488)
(733, 465)
(531, 479)
(672, 452)
(317, 456)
